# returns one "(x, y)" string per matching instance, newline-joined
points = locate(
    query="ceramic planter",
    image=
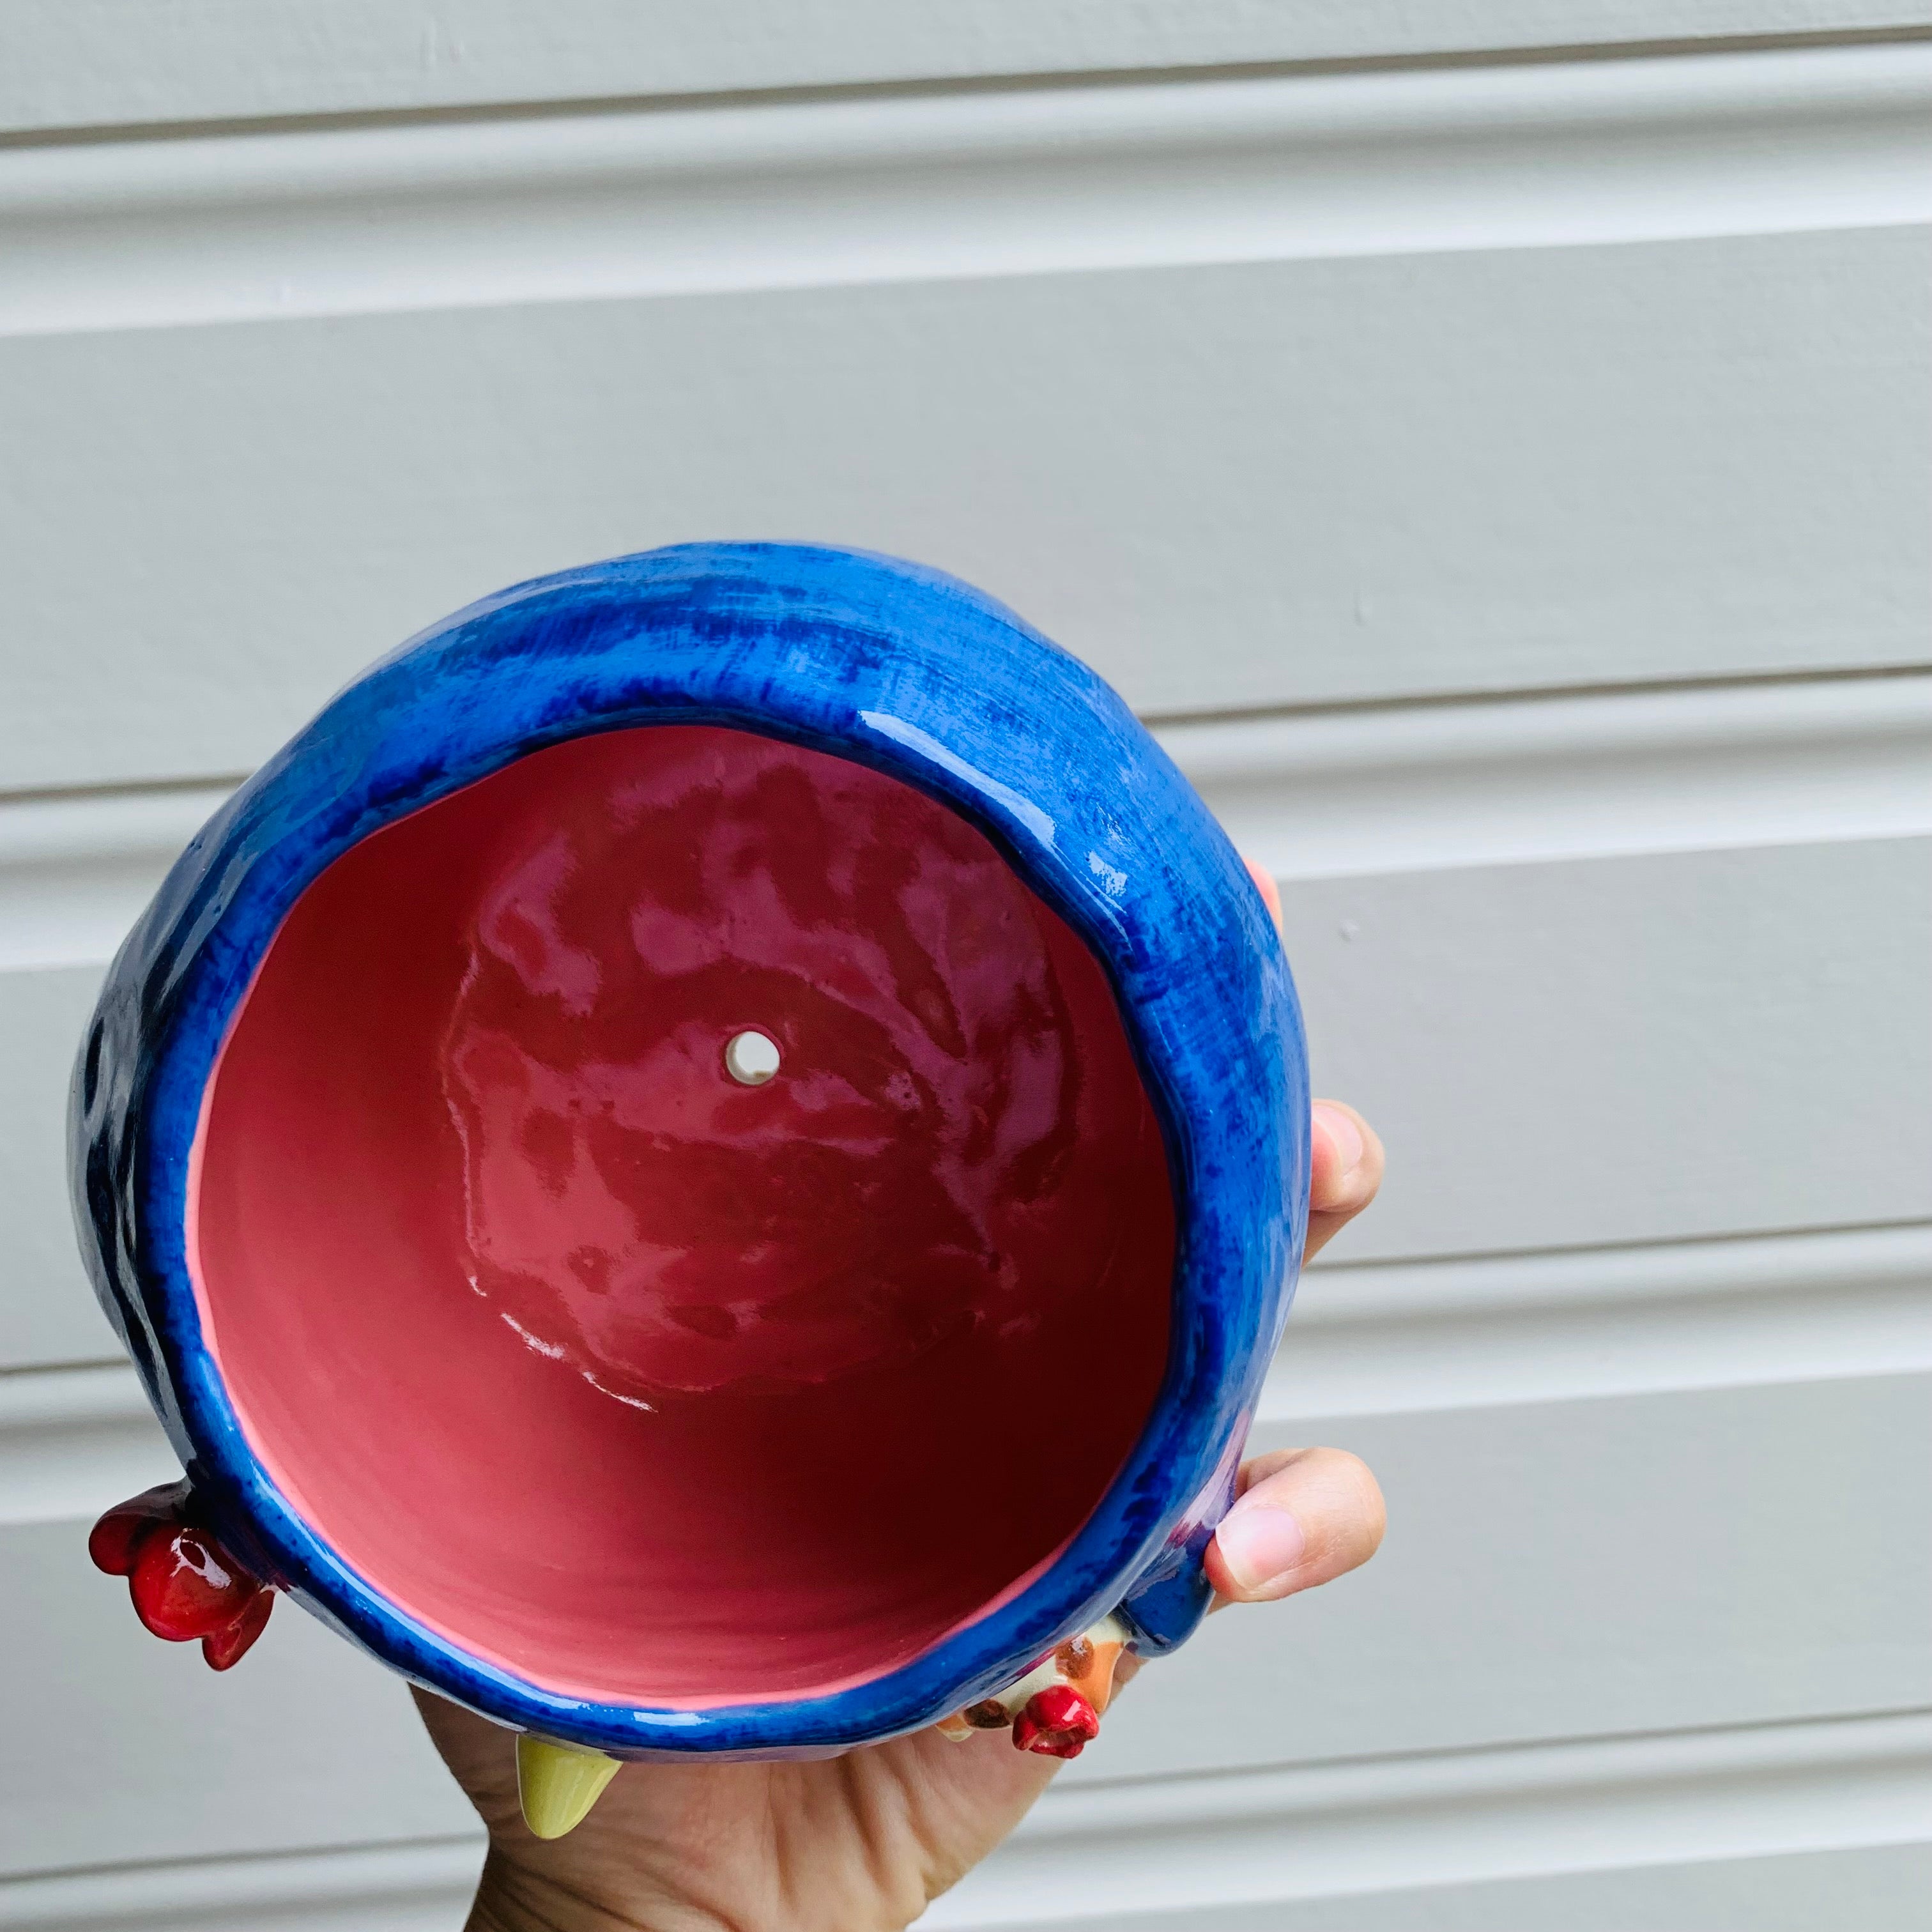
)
(708, 1162)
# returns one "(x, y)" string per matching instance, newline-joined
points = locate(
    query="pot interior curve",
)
(682, 1218)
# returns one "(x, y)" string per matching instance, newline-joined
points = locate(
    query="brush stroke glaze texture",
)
(617, 1397)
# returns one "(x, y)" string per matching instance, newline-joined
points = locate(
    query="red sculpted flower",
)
(185, 1585)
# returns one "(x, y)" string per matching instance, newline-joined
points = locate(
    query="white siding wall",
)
(1489, 440)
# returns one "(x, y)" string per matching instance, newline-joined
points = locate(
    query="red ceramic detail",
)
(643, 1383)
(1057, 1722)
(116, 1540)
(185, 1585)
(225, 1648)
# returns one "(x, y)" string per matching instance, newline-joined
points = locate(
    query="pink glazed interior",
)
(646, 1384)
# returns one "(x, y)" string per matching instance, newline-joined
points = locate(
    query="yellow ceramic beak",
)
(558, 1783)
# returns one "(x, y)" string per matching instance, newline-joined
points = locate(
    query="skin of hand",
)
(863, 1842)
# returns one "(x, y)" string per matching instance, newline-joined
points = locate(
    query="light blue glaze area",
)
(901, 668)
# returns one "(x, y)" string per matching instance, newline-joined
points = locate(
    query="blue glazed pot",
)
(896, 669)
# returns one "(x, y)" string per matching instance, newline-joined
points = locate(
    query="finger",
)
(1345, 1156)
(1304, 1517)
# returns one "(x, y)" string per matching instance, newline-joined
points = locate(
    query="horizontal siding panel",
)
(1173, 472)
(91, 63)
(1412, 788)
(1878, 1889)
(1586, 1322)
(76, 872)
(1257, 1875)
(1616, 1050)
(453, 213)
(423, 1887)
(1582, 1568)
(47, 1310)
(1232, 1852)
(74, 1441)
(1558, 1054)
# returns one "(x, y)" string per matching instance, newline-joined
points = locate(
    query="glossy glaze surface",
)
(643, 1383)
(895, 667)
(183, 1583)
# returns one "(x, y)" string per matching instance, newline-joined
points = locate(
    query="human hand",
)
(865, 1841)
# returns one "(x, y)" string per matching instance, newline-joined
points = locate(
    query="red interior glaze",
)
(648, 1385)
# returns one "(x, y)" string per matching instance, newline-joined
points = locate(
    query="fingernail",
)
(1343, 1135)
(1259, 1542)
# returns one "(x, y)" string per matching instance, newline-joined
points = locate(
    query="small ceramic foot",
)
(1054, 1709)
(557, 1784)
(183, 1584)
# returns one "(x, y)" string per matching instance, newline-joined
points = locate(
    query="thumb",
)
(1304, 1517)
